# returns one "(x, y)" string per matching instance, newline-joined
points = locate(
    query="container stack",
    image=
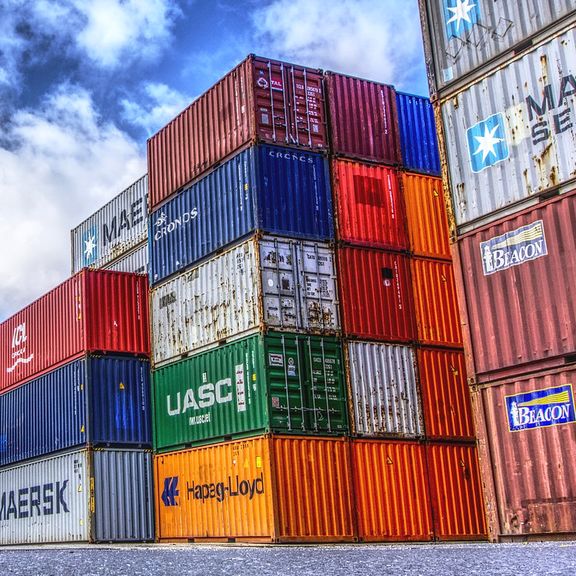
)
(502, 76)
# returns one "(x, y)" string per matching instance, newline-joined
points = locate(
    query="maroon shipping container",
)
(369, 205)
(375, 294)
(259, 100)
(363, 119)
(94, 311)
(518, 279)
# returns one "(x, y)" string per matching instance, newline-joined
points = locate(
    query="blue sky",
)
(84, 83)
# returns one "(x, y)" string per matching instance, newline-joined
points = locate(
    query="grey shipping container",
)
(135, 261)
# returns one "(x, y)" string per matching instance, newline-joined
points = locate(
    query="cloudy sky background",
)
(84, 83)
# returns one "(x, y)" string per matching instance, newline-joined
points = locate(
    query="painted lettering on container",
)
(231, 488)
(165, 228)
(19, 354)
(205, 396)
(30, 502)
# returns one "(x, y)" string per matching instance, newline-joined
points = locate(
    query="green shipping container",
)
(284, 383)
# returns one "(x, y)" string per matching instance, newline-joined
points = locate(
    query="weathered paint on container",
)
(282, 383)
(426, 216)
(369, 208)
(518, 277)
(456, 492)
(375, 294)
(435, 304)
(81, 496)
(418, 138)
(268, 283)
(264, 188)
(94, 311)
(511, 137)
(459, 41)
(445, 394)
(383, 390)
(135, 261)
(90, 401)
(271, 489)
(392, 500)
(113, 230)
(259, 100)
(363, 119)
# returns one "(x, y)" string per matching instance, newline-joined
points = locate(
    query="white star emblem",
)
(487, 142)
(460, 11)
(89, 246)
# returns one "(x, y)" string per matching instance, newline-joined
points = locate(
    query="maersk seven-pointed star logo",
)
(89, 246)
(487, 143)
(460, 16)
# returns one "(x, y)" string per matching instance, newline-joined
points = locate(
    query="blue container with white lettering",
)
(92, 401)
(276, 190)
(418, 138)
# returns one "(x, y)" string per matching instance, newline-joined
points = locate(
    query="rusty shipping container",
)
(135, 261)
(266, 489)
(518, 281)
(363, 119)
(93, 311)
(369, 208)
(259, 100)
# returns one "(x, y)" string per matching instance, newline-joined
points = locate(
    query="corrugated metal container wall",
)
(435, 303)
(384, 398)
(513, 134)
(458, 40)
(275, 190)
(369, 205)
(528, 428)
(375, 295)
(518, 280)
(426, 216)
(93, 311)
(266, 489)
(390, 483)
(260, 100)
(445, 394)
(363, 120)
(269, 283)
(279, 382)
(51, 413)
(113, 230)
(418, 138)
(135, 261)
(456, 491)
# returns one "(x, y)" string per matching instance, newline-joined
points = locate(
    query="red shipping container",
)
(369, 205)
(375, 294)
(363, 119)
(259, 100)
(94, 311)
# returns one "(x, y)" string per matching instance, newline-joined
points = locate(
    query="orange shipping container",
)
(269, 489)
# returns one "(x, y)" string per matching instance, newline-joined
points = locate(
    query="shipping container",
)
(528, 449)
(426, 216)
(263, 188)
(435, 303)
(375, 294)
(392, 500)
(461, 38)
(418, 138)
(456, 492)
(266, 489)
(260, 100)
(369, 208)
(518, 281)
(135, 261)
(363, 119)
(91, 401)
(113, 230)
(445, 394)
(268, 283)
(283, 383)
(383, 390)
(80, 496)
(511, 137)
(93, 311)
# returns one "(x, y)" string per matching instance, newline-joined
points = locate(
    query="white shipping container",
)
(512, 136)
(269, 283)
(383, 390)
(135, 261)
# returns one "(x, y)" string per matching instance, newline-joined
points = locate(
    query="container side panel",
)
(135, 261)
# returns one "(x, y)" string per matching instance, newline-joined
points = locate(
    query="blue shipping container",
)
(97, 401)
(418, 138)
(280, 191)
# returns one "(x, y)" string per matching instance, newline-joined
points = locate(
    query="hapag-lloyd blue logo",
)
(541, 408)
